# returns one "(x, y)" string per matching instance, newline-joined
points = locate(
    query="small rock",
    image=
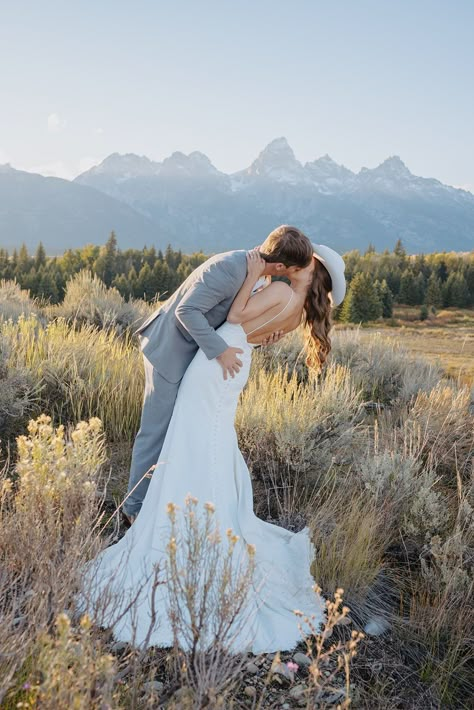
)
(285, 706)
(282, 669)
(250, 691)
(119, 646)
(252, 667)
(301, 659)
(336, 697)
(297, 691)
(154, 686)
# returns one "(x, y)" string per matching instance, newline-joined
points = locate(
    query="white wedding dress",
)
(201, 456)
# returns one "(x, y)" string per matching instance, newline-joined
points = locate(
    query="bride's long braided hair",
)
(317, 318)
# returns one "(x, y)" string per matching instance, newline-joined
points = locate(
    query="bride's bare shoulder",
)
(279, 290)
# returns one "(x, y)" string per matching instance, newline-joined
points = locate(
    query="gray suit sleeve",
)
(221, 281)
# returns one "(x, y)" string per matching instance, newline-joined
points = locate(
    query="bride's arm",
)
(245, 307)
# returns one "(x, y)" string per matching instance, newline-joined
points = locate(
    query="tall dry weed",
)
(80, 373)
(48, 511)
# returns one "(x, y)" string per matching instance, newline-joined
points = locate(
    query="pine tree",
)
(24, 262)
(455, 290)
(40, 256)
(434, 296)
(104, 266)
(408, 293)
(399, 250)
(145, 285)
(122, 285)
(132, 279)
(442, 271)
(385, 296)
(362, 303)
(47, 286)
(420, 288)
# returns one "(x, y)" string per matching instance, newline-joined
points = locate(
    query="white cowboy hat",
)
(334, 263)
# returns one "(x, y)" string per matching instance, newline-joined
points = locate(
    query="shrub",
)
(88, 300)
(445, 423)
(15, 301)
(17, 396)
(80, 373)
(209, 585)
(47, 516)
(292, 432)
(384, 369)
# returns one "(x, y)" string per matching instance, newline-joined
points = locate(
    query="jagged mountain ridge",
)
(185, 200)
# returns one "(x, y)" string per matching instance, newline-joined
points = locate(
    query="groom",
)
(171, 336)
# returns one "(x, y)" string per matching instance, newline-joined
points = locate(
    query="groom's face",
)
(280, 269)
(289, 271)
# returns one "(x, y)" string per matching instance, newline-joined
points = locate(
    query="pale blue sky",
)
(358, 79)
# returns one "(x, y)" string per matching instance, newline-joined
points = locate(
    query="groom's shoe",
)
(127, 519)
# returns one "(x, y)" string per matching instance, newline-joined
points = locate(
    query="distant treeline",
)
(139, 273)
(375, 280)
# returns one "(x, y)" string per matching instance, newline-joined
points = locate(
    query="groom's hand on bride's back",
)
(229, 361)
(272, 338)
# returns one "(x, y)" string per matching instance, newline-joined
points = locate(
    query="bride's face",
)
(304, 277)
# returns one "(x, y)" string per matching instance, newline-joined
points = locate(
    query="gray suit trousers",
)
(158, 405)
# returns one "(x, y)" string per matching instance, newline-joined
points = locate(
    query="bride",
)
(200, 457)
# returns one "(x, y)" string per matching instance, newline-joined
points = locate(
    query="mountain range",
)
(187, 202)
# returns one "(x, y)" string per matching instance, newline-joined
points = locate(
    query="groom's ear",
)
(280, 268)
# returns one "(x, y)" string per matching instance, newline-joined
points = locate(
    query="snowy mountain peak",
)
(196, 164)
(392, 167)
(277, 162)
(125, 166)
(326, 169)
(279, 152)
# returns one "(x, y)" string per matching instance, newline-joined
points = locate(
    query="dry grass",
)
(80, 373)
(376, 455)
(15, 301)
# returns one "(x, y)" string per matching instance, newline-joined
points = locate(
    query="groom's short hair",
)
(288, 245)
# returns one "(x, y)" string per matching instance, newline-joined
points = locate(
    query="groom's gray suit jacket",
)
(171, 336)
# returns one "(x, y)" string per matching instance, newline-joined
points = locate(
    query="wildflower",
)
(293, 667)
(26, 686)
(210, 507)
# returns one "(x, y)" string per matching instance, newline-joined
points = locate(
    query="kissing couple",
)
(197, 350)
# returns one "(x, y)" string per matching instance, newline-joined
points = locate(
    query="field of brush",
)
(375, 455)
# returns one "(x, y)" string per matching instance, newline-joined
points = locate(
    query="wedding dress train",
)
(201, 456)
